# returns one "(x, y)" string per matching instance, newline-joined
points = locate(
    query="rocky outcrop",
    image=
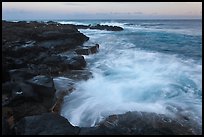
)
(100, 27)
(86, 50)
(130, 123)
(26, 45)
(21, 74)
(31, 57)
(29, 97)
(106, 27)
(142, 123)
(45, 124)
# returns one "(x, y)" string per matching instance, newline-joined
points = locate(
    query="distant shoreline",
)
(44, 20)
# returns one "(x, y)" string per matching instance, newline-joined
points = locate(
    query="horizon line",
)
(101, 19)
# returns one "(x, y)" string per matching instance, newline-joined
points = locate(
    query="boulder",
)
(45, 124)
(42, 85)
(62, 42)
(39, 59)
(106, 27)
(92, 131)
(63, 84)
(53, 60)
(19, 63)
(83, 51)
(24, 90)
(28, 98)
(76, 62)
(78, 75)
(86, 50)
(144, 123)
(82, 26)
(7, 87)
(5, 127)
(95, 48)
(100, 27)
(51, 22)
(5, 74)
(20, 93)
(28, 108)
(21, 74)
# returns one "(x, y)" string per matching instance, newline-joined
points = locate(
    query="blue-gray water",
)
(151, 66)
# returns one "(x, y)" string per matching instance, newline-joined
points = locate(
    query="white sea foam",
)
(140, 28)
(113, 23)
(129, 79)
(62, 84)
(72, 22)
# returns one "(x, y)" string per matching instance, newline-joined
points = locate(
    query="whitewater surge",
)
(129, 78)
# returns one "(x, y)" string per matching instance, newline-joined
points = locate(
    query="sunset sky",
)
(101, 10)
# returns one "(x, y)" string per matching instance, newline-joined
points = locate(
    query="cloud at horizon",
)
(101, 10)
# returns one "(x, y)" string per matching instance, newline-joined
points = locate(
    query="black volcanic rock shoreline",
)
(32, 54)
(29, 45)
(100, 27)
(35, 52)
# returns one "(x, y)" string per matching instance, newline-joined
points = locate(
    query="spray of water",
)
(133, 81)
(130, 79)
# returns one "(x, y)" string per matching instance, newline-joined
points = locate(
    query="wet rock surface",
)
(100, 27)
(35, 46)
(87, 50)
(142, 123)
(30, 60)
(45, 124)
(130, 123)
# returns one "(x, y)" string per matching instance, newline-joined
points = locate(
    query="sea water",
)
(150, 66)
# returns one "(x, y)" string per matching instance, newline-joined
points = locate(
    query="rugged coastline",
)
(32, 56)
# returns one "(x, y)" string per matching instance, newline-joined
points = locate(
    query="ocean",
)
(150, 66)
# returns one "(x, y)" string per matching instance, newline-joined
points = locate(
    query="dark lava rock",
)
(14, 93)
(53, 60)
(100, 27)
(86, 50)
(82, 26)
(76, 62)
(52, 22)
(7, 87)
(92, 131)
(83, 51)
(144, 123)
(5, 127)
(63, 84)
(21, 74)
(78, 75)
(36, 30)
(7, 92)
(5, 74)
(28, 108)
(25, 101)
(43, 85)
(22, 92)
(106, 27)
(6, 130)
(30, 43)
(45, 124)
(95, 48)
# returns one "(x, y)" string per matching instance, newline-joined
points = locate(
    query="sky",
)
(100, 10)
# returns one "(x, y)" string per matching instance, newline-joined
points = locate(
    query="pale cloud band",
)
(101, 10)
